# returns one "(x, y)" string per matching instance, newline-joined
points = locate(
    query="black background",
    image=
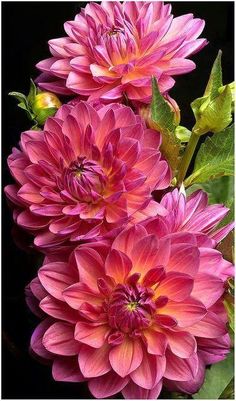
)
(26, 27)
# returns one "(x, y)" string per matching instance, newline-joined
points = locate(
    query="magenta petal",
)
(59, 339)
(36, 343)
(126, 357)
(107, 385)
(189, 386)
(211, 326)
(55, 277)
(66, 369)
(91, 334)
(94, 362)
(181, 343)
(150, 372)
(180, 369)
(133, 391)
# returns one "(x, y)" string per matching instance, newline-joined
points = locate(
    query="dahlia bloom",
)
(192, 214)
(86, 174)
(114, 48)
(130, 316)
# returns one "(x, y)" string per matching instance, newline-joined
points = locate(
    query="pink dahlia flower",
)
(193, 214)
(114, 48)
(87, 173)
(127, 316)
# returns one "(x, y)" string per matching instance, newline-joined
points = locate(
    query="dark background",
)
(26, 27)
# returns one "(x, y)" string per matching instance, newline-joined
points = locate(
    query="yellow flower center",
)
(132, 306)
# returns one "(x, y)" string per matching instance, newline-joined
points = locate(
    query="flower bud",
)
(213, 115)
(145, 112)
(45, 105)
(232, 88)
(174, 107)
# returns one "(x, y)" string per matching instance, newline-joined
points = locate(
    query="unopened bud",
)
(45, 104)
(145, 112)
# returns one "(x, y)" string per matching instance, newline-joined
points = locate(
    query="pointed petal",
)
(94, 362)
(126, 357)
(107, 385)
(91, 334)
(59, 339)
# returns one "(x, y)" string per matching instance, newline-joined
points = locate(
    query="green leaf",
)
(220, 190)
(161, 111)
(19, 96)
(32, 92)
(228, 393)
(163, 121)
(215, 158)
(215, 79)
(217, 379)
(25, 107)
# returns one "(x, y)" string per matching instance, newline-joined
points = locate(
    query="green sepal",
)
(32, 92)
(163, 119)
(213, 111)
(161, 111)
(44, 114)
(215, 80)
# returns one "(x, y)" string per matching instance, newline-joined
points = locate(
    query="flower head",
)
(193, 214)
(126, 316)
(86, 174)
(114, 48)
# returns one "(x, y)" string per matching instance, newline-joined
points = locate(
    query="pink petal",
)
(211, 326)
(126, 240)
(150, 372)
(55, 277)
(181, 343)
(78, 293)
(126, 357)
(36, 343)
(66, 369)
(187, 312)
(189, 386)
(180, 369)
(134, 392)
(177, 286)
(156, 342)
(207, 288)
(59, 310)
(107, 385)
(94, 362)
(90, 266)
(144, 254)
(91, 334)
(184, 259)
(59, 339)
(118, 265)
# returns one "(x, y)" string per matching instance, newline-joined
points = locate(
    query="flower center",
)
(84, 179)
(131, 307)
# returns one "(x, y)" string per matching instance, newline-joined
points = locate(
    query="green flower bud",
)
(45, 104)
(213, 115)
(232, 88)
(213, 111)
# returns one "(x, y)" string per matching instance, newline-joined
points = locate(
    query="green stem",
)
(187, 157)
